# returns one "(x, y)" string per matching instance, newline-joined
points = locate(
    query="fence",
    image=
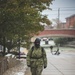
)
(7, 62)
(12, 61)
(3, 65)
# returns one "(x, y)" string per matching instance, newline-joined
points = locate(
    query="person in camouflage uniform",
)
(36, 58)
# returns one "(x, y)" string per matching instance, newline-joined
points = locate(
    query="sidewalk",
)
(19, 69)
(63, 64)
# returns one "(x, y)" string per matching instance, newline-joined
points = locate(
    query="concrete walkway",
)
(63, 64)
(18, 69)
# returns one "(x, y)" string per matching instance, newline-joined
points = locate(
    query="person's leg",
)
(36, 71)
(39, 70)
(33, 71)
(51, 49)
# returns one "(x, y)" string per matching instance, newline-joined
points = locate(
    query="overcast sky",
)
(67, 8)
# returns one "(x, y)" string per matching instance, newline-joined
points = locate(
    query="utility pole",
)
(58, 16)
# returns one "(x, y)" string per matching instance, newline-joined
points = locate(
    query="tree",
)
(21, 19)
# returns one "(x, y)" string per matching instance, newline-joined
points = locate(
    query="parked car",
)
(47, 42)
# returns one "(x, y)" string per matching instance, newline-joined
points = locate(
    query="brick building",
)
(62, 25)
(70, 22)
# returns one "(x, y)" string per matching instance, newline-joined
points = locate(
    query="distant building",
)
(62, 25)
(70, 22)
(48, 27)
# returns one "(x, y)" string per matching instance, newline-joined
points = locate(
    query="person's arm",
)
(28, 58)
(44, 58)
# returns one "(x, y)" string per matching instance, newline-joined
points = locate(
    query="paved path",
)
(63, 64)
(18, 69)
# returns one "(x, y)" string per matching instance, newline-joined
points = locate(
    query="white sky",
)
(67, 8)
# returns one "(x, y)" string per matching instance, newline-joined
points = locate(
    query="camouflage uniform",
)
(36, 60)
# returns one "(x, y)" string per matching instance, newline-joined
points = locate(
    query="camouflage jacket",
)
(36, 57)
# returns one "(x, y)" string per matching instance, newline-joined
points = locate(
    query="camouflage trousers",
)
(36, 70)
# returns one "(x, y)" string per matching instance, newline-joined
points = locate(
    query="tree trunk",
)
(4, 46)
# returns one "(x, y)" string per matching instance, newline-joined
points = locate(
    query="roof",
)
(71, 16)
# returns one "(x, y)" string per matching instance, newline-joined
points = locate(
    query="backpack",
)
(33, 49)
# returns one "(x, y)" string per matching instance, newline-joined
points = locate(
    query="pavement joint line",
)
(66, 60)
(56, 68)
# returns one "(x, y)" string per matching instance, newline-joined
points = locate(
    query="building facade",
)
(70, 22)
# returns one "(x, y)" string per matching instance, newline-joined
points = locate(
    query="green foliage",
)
(64, 40)
(20, 19)
(61, 41)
